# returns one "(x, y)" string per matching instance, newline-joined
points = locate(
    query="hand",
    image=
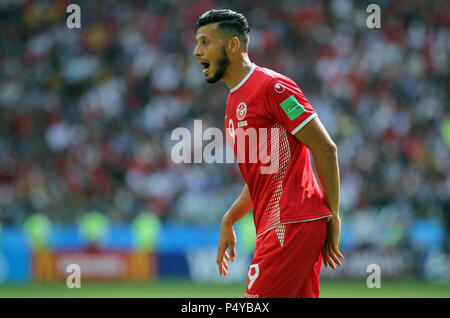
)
(227, 240)
(331, 253)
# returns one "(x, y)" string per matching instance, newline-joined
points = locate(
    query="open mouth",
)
(205, 66)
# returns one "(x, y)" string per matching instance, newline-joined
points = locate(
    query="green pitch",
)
(186, 289)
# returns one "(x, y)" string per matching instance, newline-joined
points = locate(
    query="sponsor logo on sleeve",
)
(292, 107)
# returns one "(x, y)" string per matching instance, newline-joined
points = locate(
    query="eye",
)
(204, 42)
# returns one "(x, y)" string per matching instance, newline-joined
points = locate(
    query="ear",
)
(234, 45)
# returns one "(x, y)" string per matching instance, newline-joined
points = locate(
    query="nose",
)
(197, 51)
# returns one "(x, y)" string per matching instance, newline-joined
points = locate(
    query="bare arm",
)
(227, 237)
(324, 151)
(240, 207)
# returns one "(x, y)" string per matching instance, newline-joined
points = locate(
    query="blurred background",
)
(86, 117)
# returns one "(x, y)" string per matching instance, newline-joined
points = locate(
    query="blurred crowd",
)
(86, 114)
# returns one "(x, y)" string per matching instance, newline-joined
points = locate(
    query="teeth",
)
(206, 69)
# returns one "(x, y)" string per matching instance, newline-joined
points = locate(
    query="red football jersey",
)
(277, 167)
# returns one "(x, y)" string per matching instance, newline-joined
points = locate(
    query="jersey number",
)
(253, 277)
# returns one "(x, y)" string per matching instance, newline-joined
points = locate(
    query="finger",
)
(338, 252)
(333, 255)
(225, 264)
(335, 259)
(329, 259)
(232, 250)
(227, 256)
(220, 252)
(224, 268)
(219, 260)
(333, 267)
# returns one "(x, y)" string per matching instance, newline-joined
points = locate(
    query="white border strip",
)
(307, 120)
(244, 79)
(275, 226)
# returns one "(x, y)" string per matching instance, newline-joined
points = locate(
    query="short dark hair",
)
(230, 23)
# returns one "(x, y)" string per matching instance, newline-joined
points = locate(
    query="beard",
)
(222, 65)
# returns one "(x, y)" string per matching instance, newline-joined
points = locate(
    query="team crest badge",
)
(279, 88)
(241, 111)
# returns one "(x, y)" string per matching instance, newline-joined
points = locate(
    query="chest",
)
(246, 112)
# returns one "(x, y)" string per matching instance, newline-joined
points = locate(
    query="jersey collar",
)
(244, 79)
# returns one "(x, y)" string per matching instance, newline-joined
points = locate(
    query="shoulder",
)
(274, 82)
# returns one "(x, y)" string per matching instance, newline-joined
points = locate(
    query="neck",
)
(237, 71)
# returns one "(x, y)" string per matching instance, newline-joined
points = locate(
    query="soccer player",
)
(297, 223)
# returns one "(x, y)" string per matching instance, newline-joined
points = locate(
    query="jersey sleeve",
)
(286, 105)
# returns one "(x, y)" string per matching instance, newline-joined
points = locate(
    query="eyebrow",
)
(203, 36)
